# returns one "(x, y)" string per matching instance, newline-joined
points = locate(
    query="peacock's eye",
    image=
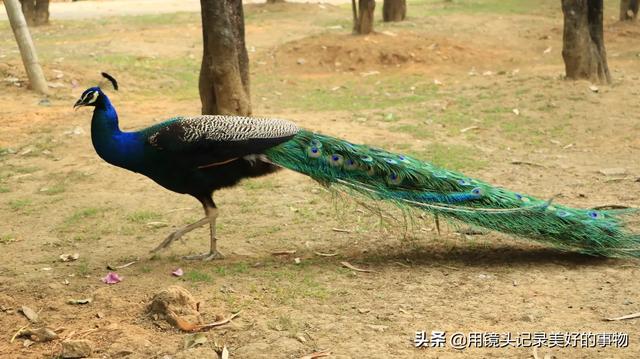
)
(94, 97)
(89, 97)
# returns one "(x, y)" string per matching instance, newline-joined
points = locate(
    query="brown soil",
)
(384, 50)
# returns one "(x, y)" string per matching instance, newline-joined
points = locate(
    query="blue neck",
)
(122, 149)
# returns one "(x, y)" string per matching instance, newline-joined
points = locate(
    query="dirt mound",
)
(345, 52)
(173, 303)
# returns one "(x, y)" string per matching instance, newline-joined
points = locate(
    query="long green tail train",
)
(406, 181)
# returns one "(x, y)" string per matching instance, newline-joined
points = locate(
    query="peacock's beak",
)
(78, 103)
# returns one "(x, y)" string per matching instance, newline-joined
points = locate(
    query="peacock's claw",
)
(179, 233)
(205, 256)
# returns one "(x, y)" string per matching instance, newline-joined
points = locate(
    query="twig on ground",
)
(13, 338)
(526, 163)
(283, 252)
(315, 355)
(110, 267)
(624, 317)
(352, 267)
(325, 254)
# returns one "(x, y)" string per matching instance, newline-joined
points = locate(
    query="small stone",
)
(77, 348)
(528, 318)
(44, 102)
(301, 61)
(379, 328)
(56, 85)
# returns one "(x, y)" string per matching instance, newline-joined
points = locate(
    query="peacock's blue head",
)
(90, 97)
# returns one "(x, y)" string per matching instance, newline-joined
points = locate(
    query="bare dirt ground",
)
(443, 86)
(67, 10)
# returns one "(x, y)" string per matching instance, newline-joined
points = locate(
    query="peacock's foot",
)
(205, 256)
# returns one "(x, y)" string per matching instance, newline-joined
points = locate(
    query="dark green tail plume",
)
(406, 181)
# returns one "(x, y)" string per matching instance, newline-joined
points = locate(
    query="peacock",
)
(201, 154)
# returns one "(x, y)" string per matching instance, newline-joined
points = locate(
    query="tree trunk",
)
(583, 48)
(363, 16)
(224, 74)
(36, 12)
(394, 10)
(628, 9)
(42, 12)
(25, 43)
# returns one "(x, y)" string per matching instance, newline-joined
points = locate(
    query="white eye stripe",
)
(94, 97)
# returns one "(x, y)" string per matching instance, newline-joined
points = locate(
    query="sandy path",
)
(94, 9)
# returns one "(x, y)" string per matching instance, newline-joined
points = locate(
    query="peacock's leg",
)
(212, 215)
(181, 232)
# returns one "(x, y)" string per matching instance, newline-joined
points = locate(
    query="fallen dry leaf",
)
(225, 353)
(69, 257)
(30, 314)
(186, 326)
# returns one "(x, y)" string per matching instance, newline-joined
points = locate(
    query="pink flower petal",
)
(178, 272)
(112, 278)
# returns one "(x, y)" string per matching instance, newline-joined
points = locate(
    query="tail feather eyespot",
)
(314, 152)
(350, 164)
(394, 179)
(367, 159)
(336, 160)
